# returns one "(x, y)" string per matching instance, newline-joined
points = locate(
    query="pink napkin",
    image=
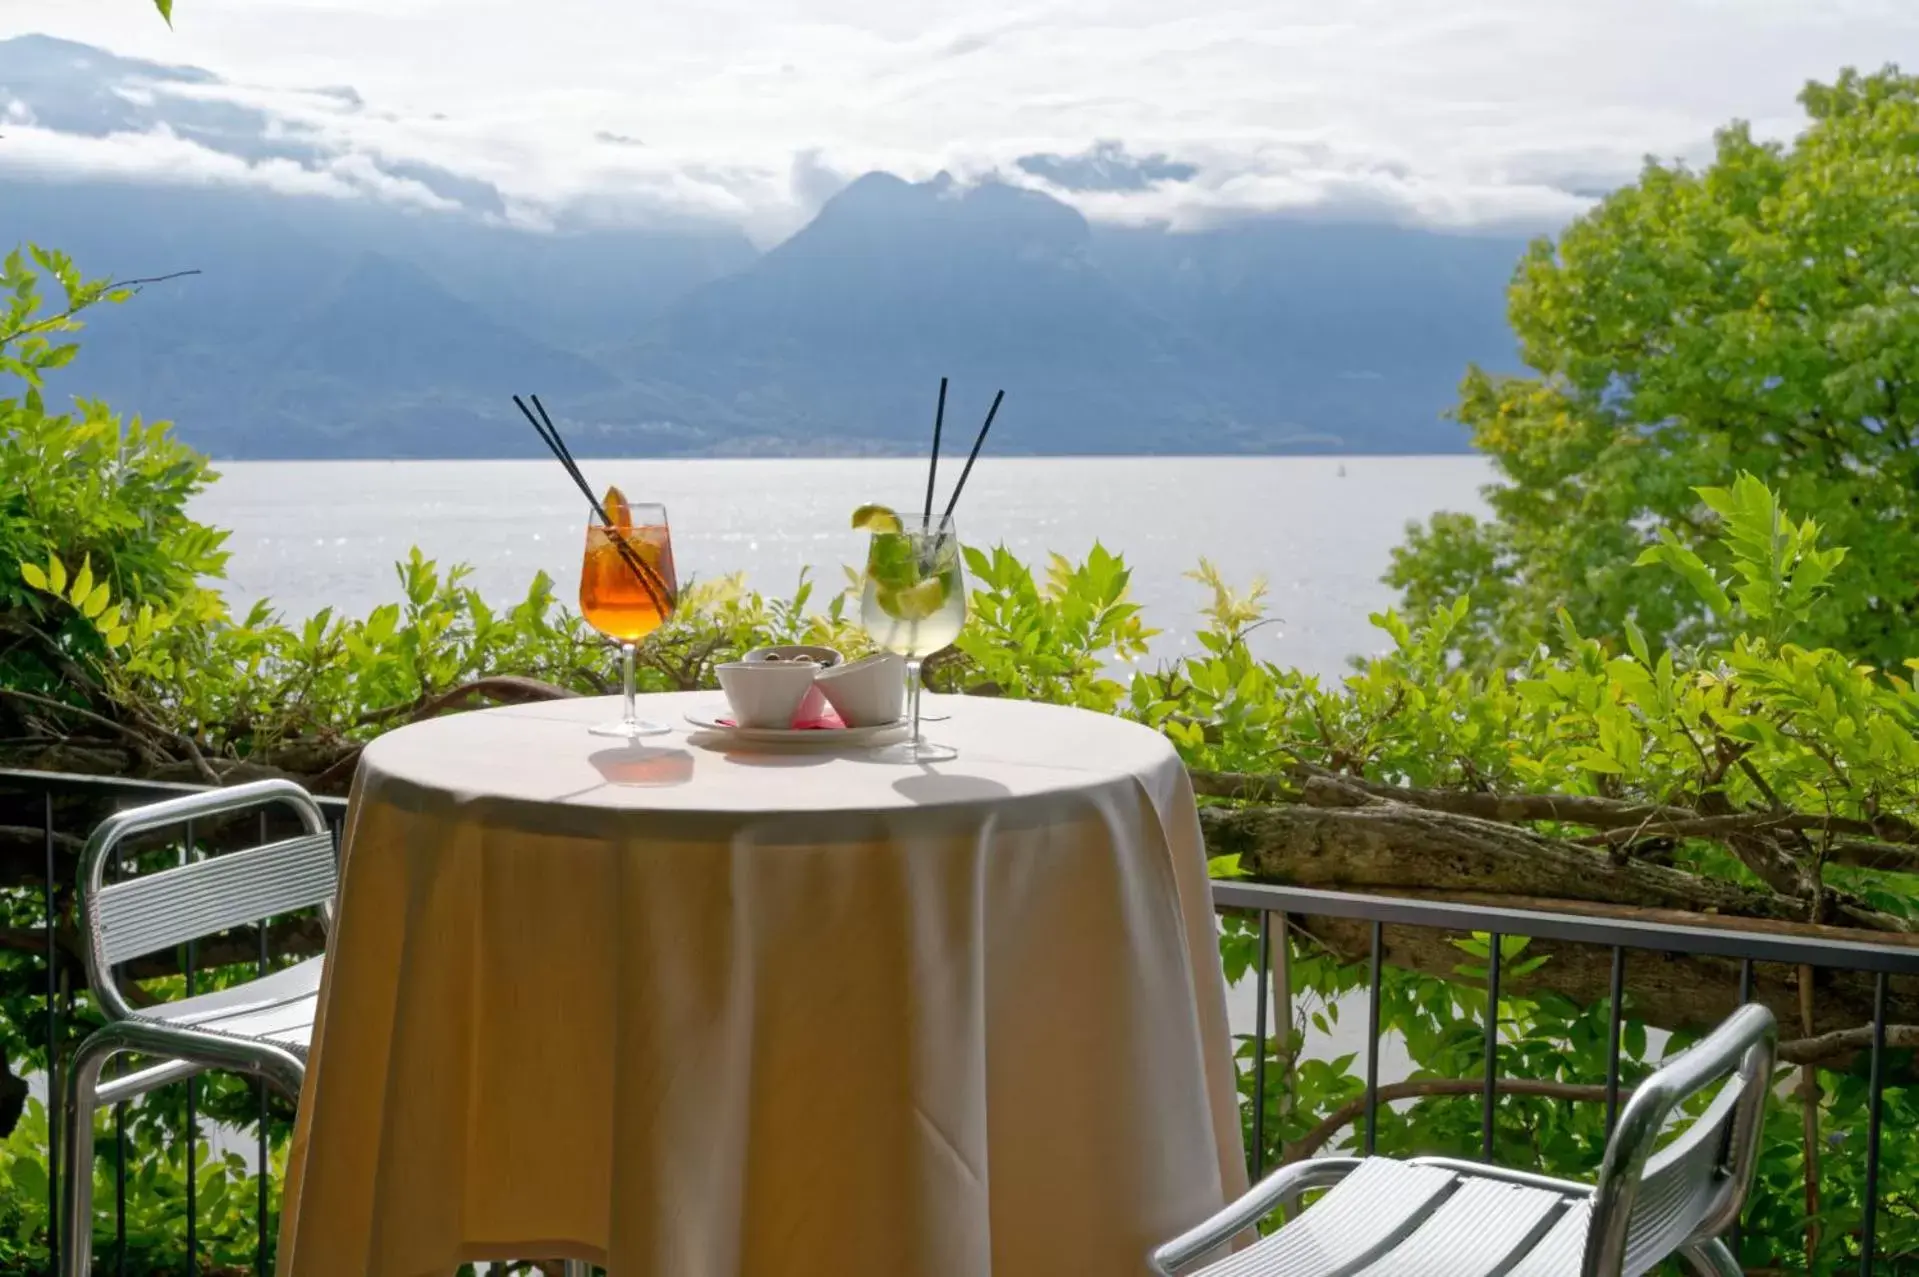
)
(830, 721)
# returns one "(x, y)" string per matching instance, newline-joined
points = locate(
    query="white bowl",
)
(825, 657)
(766, 693)
(868, 693)
(814, 706)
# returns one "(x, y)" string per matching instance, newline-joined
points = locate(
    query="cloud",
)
(1105, 166)
(163, 156)
(753, 111)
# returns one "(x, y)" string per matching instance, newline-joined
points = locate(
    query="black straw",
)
(557, 446)
(550, 435)
(972, 457)
(933, 466)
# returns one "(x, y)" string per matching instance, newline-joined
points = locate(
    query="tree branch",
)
(1619, 821)
(1572, 809)
(1314, 1140)
(508, 689)
(1843, 1042)
(46, 702)
(52, 322)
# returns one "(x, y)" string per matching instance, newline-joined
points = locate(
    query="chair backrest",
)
(156, 911)
(1648, 1203)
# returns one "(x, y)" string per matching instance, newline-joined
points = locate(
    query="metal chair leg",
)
(1712, 1260)
(76, 1117)
(279, 1067)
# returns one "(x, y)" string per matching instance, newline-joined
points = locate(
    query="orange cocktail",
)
(627, 590)
(617, 600)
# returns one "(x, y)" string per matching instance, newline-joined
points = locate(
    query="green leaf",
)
(166, 9)
(1593, 760)
(29, 1178)
(57, 575)
(96, 602)
(82, 583)
(1687, 563)
(1636, 640)
(34, 575)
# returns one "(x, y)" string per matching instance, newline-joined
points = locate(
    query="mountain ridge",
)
(338, 324)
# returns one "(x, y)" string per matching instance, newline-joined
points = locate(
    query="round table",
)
(685, 1009)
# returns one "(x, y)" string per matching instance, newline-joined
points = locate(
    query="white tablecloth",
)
(696, 1013)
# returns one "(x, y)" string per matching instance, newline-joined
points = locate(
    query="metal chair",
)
(260, 1028)
(1442, 1217)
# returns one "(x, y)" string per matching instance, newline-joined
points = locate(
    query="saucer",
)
(718, 720)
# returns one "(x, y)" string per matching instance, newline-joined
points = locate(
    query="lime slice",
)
(914, 603)
(876, 518)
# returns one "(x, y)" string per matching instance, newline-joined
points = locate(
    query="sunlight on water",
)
(313, 534)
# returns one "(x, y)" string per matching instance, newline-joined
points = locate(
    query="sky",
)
(1454, 113)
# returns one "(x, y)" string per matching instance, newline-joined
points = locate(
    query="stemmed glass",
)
(627, 590)
(914, 603)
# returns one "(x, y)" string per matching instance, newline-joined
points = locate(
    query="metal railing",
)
(58, 810)
(1269, 903)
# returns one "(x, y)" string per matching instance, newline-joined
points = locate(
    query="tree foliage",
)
(1758, 315)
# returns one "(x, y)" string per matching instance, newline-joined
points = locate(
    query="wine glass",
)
(627, 590)
(914, 603)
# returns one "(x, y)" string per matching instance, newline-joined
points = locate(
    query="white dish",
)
(814, 705)
(767, 693)
(708, 719)
(865, 692)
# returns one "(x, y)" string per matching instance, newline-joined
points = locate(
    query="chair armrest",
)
(1258, 1202)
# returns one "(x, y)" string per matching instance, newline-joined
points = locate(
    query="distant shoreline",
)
(587, 454)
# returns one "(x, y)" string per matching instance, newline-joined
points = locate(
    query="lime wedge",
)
(915, 602)
(876, 518)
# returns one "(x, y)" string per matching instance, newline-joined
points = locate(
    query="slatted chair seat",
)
(1404, 1219)
(1441, 1217)
(278, 1008)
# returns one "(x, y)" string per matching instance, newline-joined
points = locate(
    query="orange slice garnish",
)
(617, 511)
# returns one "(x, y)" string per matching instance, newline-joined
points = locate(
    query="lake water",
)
(318, 533)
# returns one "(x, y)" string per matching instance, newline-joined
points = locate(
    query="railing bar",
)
(53, 1039)
(261, 1207)
(1543, 925)
(120, 786)
(193, 1097)
(119, 1130)
(1745, 996)
(1490, 1091)
(1616, 1022)
(1868, 1225)
(1263, 989)
(1372, 1040)
(120, 1189)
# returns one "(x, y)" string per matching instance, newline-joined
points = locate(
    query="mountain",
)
(845, 326)
(334, 317)
(1360, 332)
(291, 341)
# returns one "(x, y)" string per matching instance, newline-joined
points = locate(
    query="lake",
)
(312, 534)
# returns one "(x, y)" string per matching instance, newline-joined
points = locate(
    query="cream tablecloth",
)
(689, 1013)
